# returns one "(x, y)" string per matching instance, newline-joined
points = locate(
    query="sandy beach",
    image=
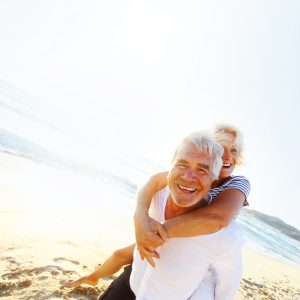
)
(38, 271)
(43, 243)
(268, 278)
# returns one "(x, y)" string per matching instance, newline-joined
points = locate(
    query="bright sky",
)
(144, 73)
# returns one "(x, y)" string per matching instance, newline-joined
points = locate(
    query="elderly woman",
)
(228, 194)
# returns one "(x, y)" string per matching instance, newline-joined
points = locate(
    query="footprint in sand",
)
(10, 260)
(54, 273)
(252, 283)
(20, 276)
(91, 293)
(14, 274)
(25, 283)
(62, 259)
(7, 288)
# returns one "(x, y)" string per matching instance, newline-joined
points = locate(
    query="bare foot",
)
(73, 283)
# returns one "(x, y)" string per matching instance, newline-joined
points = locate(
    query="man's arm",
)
(207, 219)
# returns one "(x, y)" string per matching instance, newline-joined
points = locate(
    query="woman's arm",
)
(207, 219)
(149, 233)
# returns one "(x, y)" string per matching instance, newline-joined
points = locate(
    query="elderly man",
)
(183, 262)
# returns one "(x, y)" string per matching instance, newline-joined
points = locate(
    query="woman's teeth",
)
(226, 165)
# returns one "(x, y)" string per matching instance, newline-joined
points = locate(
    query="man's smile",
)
(186, 188)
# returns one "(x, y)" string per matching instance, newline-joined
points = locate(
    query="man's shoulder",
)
(162, 194)
(158, 203)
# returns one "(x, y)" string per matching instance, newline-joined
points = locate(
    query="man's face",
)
(190, 177)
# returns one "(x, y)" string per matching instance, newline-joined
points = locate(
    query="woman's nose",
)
(226, 154)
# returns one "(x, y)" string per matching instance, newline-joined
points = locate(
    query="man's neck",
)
(172, 210)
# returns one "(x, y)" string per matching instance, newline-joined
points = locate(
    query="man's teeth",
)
(186, 188)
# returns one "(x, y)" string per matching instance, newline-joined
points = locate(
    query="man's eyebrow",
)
(180, 160)
(199, 165)
(203, 166)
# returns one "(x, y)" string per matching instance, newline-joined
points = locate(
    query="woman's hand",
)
(149, 235)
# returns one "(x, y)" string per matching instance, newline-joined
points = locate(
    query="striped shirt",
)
(240, 183)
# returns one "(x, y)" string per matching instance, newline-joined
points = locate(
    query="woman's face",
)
(230, 155)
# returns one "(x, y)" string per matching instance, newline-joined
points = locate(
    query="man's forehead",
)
(189, 150)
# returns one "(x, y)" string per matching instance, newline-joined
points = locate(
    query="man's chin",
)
(186, 203)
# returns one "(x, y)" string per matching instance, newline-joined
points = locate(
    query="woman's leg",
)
(111, 265)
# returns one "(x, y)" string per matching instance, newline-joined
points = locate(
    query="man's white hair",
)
(203, 141)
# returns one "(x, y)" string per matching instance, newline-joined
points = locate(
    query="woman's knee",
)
(123, 256)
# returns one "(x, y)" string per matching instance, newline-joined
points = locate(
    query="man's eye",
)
(181, 165)
(201, 171)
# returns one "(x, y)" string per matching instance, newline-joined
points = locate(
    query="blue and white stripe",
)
(240, 183)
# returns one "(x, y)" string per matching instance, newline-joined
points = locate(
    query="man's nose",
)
(189, 175)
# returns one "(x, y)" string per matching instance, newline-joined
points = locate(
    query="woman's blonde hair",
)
(221, 129)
